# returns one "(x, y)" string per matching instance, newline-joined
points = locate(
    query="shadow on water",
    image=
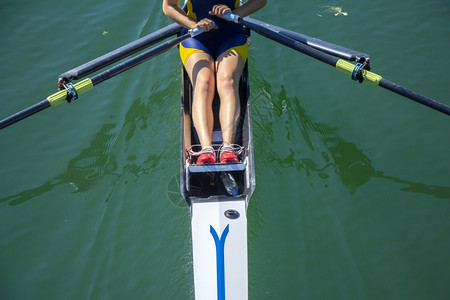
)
(87, 170)
(83, 171)
(316, 147)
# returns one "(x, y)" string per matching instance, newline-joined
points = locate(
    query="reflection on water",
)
(296, 141)
(100, 159)
(83, 171)
(316, 147)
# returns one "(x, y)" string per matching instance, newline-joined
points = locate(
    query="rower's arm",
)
(249, 7)
(177, 14)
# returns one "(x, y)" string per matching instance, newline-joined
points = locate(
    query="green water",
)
(353, 182)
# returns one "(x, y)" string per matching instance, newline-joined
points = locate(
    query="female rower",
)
(216, 57)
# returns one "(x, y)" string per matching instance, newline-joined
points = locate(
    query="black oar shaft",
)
(287, 41)
(326, 47)
(393, 87)
(88, 83)
(138, 59)
(24, 113)
(52, 100)
(120, 53)
(273, 33)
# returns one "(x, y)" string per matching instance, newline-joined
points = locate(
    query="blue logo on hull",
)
(220, 260)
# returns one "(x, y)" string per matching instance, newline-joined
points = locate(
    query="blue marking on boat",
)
(220, 260)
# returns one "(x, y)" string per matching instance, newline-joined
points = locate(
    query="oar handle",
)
(232, 17)
(196, 31)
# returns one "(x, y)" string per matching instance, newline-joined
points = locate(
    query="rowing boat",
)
(217, 194)
(218, 215)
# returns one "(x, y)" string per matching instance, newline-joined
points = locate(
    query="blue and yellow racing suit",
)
(229, 35)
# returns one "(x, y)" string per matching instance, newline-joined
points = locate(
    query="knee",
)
(204, 84)
(226, 82)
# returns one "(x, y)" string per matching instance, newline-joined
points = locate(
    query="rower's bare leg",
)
(229, 66)
(200, 68)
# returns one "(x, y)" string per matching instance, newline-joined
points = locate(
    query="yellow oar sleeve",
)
(346, 67)
(60, 97)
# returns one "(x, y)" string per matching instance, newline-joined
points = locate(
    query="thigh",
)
(229, 63)
(200, 66)
(197, 60)
(191, 46)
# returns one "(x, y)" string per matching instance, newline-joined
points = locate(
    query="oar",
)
(73, 90)
(356, 72)
(120, 53)
(332, 49)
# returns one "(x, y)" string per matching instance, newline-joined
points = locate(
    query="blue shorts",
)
(215, 43)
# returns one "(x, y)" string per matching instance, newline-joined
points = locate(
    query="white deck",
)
(214, 277)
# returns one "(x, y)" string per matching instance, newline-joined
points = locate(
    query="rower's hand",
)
(219, 10)
(206, 25)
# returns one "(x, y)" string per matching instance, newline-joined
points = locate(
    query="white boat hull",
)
(219, 218)
(220, 249)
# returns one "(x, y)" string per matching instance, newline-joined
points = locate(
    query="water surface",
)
(353, 190)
